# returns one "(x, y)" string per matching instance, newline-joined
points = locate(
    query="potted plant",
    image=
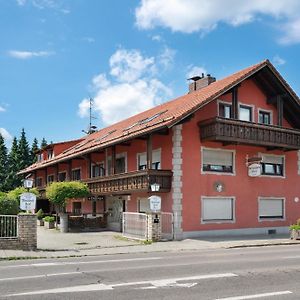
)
(295, 230)
(49, 222)
(40, 215)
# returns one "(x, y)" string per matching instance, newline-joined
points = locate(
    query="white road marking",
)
(49, 264)
(256, 296)
(182, 285)
(292, 257)
(102, 287)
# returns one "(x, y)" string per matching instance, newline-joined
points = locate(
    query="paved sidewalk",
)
(52, 243)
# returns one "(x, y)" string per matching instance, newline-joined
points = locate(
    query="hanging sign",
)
(254, 170)
(155, 203)
(27, 201)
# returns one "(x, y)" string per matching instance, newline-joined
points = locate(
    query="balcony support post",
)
(56, 172)
(88, 165)
(149, 152)
(113, 160)
(279, 103)
(235, 104)
(69, 170)
(46, 176)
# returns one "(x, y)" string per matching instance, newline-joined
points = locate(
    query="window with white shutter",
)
(270, 208)
(217, 209)
(217, 160)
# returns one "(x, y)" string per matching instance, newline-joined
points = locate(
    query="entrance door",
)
(115, 210)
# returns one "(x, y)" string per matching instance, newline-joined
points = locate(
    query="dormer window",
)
(50, 153)
(40, 157)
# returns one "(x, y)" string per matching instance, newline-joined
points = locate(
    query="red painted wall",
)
(245, 189)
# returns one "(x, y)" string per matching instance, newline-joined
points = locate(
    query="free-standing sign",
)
(27, 201)
(254, 170)
(155, 203)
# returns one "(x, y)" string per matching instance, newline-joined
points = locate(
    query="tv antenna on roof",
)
(92, 128)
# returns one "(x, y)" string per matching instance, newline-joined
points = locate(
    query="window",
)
(40, 157)
(245, 113)
(120, 165)
(76, 174)
(217, 209)
(270, 208)
(39, 182)
(50, 179)
(156, 160)
(50, 153)
(76, 208)
(225, 110)
(97, 170)
(264, 117)
(62, 176)
(214, 160)
(272, 165)
(144, 205)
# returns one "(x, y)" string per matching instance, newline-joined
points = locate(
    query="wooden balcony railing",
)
(241, 132)
(137, 181)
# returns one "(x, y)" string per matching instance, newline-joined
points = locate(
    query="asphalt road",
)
(232, 274)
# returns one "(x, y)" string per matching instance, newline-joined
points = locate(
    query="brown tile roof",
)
(161, 116)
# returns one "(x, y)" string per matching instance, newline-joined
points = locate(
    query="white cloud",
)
(166, 58)
(195, 71)
(128, 66)
(6, 135)
(29, 54)
(133, 87)
(204, 15)
(21, 2)
(2, 109)
(278, 61)
(46, 4)
(157, 38)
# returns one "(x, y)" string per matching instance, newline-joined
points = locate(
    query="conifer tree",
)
(23, 151)
(12, 179)
(34, 148)
(3, 164)
(44, 143)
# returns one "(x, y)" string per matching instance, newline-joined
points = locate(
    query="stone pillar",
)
(177, 181)
(154, 227)
(27, 230)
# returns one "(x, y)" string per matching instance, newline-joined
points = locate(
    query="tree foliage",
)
(33, 150)
(8, 206)
(59, 192)
(44, 143)
(3, 164)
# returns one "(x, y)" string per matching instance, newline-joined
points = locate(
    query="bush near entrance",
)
(59, 192)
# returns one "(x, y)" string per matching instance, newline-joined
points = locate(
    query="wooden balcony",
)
(230, 131)
(127, 183)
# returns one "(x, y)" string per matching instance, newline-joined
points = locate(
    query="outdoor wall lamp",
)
(28, 183)
(155, 187)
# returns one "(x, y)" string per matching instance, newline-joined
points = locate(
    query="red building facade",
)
(198, 148)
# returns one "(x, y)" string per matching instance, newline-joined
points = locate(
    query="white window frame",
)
(270, 199)
(80, 174)
(52, 174)
(219, 101)
(251, 106)
(203, 198)
(267, 111)
(118, 155)
(97, 163)
(60, 172)
(218, 173)
(158, 150)
(274, 155)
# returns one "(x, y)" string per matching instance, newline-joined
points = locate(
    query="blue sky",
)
(128, 55)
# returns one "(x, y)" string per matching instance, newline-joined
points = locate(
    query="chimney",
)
(200, 82)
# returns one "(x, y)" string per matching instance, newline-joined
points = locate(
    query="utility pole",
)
(91, 128)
